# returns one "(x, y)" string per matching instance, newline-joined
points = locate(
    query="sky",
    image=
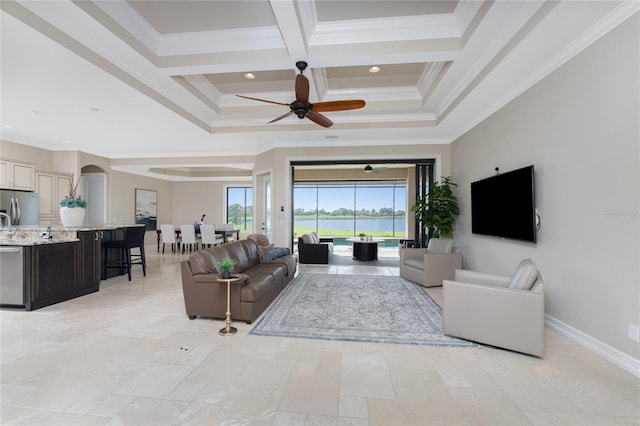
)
(366, 197)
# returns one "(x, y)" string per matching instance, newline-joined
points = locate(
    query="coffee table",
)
(365, 249)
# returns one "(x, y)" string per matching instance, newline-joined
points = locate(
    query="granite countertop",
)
(33, 241)
(32, 235)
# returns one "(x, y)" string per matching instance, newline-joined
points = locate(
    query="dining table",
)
(233, 234)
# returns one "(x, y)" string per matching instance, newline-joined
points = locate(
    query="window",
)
(240, 207)
(347, 209)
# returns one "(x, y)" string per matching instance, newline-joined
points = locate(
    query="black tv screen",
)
(504, 205)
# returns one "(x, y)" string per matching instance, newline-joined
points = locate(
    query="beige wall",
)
(193, 199)
(580, 128)
(42, 158)
(122, 190)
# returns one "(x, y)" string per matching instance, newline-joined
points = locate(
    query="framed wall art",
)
(147, 208)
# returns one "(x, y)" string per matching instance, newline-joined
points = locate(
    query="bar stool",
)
(133, 238)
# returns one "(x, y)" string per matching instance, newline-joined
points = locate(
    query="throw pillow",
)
(276, 253)
(524, 276)
(307, 239)
(263, 249)
(314, 238)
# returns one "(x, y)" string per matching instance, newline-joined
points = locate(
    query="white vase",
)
(72, 217)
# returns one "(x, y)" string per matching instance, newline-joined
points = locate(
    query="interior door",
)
(94, 191)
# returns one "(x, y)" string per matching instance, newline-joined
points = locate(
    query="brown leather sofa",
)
(260, 282)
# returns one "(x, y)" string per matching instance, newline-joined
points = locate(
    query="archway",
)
(94, 183)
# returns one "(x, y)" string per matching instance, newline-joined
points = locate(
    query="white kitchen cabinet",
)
(17, 175)
(51, 188)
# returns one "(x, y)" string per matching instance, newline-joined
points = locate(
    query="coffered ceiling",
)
(156, 80)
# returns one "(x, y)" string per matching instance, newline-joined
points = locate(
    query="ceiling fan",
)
(301, 106)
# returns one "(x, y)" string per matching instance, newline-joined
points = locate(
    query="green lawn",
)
(344, 233)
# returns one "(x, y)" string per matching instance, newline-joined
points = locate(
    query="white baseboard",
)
(622, 360)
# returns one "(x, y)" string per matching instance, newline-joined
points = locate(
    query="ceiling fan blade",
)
(302, 89)
(262, 100)
(281, 117)
(338, 105)
(320, 119)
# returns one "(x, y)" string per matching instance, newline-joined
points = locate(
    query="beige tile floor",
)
(129, 355)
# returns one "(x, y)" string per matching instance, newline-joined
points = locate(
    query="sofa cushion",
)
(202, 262)
(276, 253)
(524, 276)
(259, 286)
(440, 245)
(259, 239)
(414, 263)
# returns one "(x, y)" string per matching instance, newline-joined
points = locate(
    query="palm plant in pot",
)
(225, 266)
(72, 207)
(439, 209)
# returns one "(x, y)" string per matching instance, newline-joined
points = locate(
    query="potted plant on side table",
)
(439, 209)
(72, 208)
(225, 266)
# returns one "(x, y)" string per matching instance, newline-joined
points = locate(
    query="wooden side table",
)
(228, 330)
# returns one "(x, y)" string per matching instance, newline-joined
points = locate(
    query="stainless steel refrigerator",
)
(21, 206)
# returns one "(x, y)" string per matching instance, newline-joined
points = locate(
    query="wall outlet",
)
(633, 332)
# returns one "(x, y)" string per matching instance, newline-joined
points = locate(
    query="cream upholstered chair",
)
(168, 233)
(188, 235)
(497, 310)
(430, 266)
(209, 236)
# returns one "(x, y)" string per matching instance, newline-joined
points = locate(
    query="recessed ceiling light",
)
(96, 109)
(37, 111)
(374, 69)
(66, 141)
(249, 76)
(7, 126)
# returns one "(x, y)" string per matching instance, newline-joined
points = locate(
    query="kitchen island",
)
(38, 272)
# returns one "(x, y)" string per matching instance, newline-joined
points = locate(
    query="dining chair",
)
(169, 237)
(209, 236)
(188, 235)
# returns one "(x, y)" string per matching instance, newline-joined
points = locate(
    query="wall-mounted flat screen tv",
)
(504, 205)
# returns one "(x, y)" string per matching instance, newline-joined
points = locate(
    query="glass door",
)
(266, 225)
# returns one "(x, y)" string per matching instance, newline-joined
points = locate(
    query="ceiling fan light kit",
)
(302, 108)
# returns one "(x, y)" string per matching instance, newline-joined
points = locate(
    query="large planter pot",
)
(72, 217)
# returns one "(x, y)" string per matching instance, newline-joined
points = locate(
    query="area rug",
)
(381, 309)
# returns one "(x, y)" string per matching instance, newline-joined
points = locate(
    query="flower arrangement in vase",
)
(72, 207)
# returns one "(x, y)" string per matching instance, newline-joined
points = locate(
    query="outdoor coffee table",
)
(365, 249)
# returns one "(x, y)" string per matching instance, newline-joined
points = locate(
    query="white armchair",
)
(430, 266)
(497, 310)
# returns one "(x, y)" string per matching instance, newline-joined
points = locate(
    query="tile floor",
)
(129, 355)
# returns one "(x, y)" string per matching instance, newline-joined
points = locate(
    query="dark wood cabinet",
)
(51, 274)
(62, 271)
(90, 259)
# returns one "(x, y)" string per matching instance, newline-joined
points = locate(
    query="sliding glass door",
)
(348, 209)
